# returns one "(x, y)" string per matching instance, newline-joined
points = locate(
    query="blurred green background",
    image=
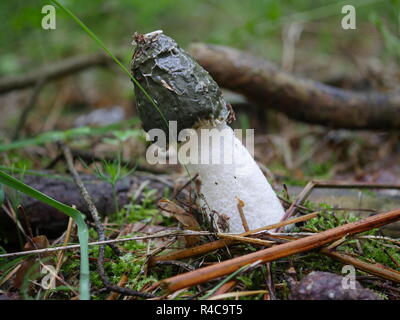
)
(304, 37)
(255, 25)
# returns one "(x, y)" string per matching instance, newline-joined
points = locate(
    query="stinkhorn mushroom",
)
(184, 92)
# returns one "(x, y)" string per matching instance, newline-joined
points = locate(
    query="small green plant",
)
(112, 172)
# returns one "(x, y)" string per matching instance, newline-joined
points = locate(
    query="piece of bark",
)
(330, 286)
(51, 222)
(300, 99)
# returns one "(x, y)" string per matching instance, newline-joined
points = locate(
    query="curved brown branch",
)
(300, 99)
(54, 71)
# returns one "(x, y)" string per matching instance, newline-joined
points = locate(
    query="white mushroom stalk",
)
(186, 93)
(236, 177)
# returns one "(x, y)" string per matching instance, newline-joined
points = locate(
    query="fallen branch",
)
(54, 71)
(300, 99)
(280, 251)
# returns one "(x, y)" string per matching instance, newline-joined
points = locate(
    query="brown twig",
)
(303, 195)
(174, 233)
(269, 282)
(375, 269)
(226, 287)
(280, 251)
(298, 201)
(121, 283)
(180, 264)
(88, 199)
(54, 71)
(100, 231)
(211, 246)
(27, 223)
(30, 105)
(60, 255)
(240, 205)
(237, 238)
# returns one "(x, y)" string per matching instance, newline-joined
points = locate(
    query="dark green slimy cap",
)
(181, 88)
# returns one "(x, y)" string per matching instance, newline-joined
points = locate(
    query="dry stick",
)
(395, 241)
(211, 246)
(331, 185)
(29, 107)
(303, 210)
(269, 282)
(121, 283)
(54, 71)
(100, 230)
(225, 288)
(175, 233)
(240, 205)
(60, 255)
(391, 258)
(375, 269)
(85, 194)
(298, 201)
(180, 264)
(354, 185)
(244, 239)
(27, 224)
(236, 294)
(177, 193)
(280, 251)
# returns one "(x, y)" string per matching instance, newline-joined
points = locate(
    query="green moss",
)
(134, 212)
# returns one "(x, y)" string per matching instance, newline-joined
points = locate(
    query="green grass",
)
(15, 184)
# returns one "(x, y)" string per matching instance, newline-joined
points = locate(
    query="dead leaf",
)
(39, 242)
(187, 220)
